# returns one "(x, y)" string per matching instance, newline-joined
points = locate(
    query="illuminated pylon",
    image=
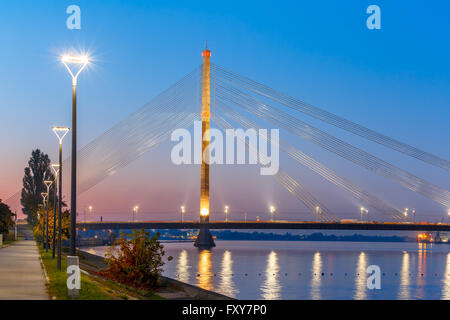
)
(204, 239)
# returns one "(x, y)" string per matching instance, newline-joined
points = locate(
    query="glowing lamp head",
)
(81, 59)
(204, 212)
(60, 132)
(55, 168)
(182, 209)
(272, 209)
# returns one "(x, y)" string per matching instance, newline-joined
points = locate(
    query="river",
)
(311, 270)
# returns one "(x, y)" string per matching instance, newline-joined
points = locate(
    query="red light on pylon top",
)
(206, 53)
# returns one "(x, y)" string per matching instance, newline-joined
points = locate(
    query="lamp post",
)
(245, 217)
(413, 211)
(60, 133)
(48, 184)
(317, 212)
(135, 212)
(367, 212)
(55, 168)
(226, 213)
(405, 213)
(273, 210)
(361, 210)
(90, 208)
(80, 60)
(182, 213)
(44, 199)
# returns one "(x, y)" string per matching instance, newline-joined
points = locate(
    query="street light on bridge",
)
(83, 61)
(273, 211)
(405, 213)
(317, 212)
(183, 210)
(226, 213)
(90, 208)
(135, 212)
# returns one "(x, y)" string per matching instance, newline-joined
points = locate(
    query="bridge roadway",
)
(287, 225)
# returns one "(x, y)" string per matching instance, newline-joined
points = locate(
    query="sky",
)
(395, 80)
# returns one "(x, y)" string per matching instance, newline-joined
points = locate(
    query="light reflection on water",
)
(183, 267)
(361, 277)
(446, 280)
(316, 276)
(227, 286)
(312, 270)
(404, 292)
(204, 274)
(271, 287)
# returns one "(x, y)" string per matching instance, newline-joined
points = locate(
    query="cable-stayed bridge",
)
(212, 93)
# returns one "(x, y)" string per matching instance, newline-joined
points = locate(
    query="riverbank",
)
(93, 287)
(169, 288)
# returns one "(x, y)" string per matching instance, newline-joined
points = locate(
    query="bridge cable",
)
(329, 118)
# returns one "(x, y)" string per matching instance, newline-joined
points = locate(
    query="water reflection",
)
(361, 278)
(405, 285)
(204, 270)
(227, 286)
(446, 280)
(183, 267)
(421, 271)
(271, 288)
(316, 270)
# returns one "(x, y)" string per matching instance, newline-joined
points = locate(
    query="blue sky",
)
(395, 80)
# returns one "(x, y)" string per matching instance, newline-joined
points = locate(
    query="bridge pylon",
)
(204, 238)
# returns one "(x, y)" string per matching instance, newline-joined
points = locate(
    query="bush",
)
(136, 261)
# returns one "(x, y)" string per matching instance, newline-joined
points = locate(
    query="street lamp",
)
(362, 209)
(273, 210)
(414, 215)
(79, 60)
(182, 213)
(44, 199)
(55, 168)
(226, 213)
(39, 212)
(90, 208)
(60, 133)
(367, 212)
(135, 212)
(317, 212)
(245, 217)
(405, 213)
(48, 184)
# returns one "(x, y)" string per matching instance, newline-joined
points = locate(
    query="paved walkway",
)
(21, 274)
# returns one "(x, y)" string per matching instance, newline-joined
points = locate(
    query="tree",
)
(37, 171)
(6, 218)
(137, 261)
(65, 225)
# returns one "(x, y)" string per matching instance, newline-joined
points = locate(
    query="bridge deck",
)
(287, 225)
